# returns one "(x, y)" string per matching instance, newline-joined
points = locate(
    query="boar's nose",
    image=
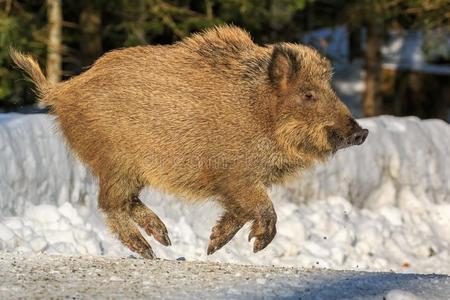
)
(358, 137)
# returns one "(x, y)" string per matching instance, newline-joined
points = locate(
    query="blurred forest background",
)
(67, 37)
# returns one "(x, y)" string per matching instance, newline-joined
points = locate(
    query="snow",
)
(413, 50)
(405, 50)
(400, 295)
(382, 206)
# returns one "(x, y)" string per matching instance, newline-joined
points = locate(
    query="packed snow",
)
(41, 276)
(382, 206)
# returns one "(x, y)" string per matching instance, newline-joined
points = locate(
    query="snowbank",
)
(36, 166)
(402, 156)
(382, 206)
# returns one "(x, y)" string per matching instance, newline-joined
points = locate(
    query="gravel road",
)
(42, 276)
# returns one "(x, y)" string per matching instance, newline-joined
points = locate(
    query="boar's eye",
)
(309, 96)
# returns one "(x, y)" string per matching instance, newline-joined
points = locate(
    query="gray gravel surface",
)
(31, 276)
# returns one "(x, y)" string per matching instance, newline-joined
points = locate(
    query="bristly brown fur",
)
(213, 116)
(31, 67)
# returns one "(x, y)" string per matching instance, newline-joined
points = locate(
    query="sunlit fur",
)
(213, 116)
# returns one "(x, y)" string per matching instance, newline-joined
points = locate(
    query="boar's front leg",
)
(149, 221)
(249, 204)
(225, 229)
(123, 209)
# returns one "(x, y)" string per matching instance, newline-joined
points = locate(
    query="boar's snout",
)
(355, 136)
(358, 137)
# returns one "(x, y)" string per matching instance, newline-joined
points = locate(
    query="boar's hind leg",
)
(247, 204)
(117, 200)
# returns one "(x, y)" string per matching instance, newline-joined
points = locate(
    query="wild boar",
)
(214, 116)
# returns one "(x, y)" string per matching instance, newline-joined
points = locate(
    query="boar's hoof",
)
(225, 229)
(128, 233)
(149, 221)
(263, 230)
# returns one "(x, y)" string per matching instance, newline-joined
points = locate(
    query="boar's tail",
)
(31, 67)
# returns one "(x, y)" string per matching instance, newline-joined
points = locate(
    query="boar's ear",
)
(282, 67)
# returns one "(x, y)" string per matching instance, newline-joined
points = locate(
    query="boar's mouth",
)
(337, 141)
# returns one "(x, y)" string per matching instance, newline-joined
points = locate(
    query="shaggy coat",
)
(213, 116)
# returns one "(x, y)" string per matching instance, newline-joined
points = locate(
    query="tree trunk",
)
(139, 30)
(54, 61)
(90, 23)
(372, 100)
(354, 40)
(209, 9)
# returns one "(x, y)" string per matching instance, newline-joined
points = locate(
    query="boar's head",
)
(310, 120)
